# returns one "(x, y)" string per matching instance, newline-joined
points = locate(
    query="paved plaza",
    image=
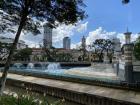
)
(118, 94)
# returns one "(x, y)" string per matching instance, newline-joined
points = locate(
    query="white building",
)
(47, 40)
(66, 43)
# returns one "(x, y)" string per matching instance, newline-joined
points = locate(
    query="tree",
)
(50, 53)
(4, 50)
(101, 45)
(63, 57)
(23, 54)
(63, 11)
(137, 49)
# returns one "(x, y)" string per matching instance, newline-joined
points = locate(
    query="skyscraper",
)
(66, 43)
(47, 40)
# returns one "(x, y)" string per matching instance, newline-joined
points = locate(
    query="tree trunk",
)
(101, 57)
(13, 47)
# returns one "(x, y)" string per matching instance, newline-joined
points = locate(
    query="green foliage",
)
(137, 50)
(4, 50)
(62, 11)
(25, 100)
(63, 57)
(1, 2)
(101, 45)
(23, 54)
(53, 55)
(50, 54)
(4, 45)
(53, 11)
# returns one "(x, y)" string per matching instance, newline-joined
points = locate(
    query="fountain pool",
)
(102, 72)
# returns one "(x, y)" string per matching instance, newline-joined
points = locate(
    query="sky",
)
(106, 19)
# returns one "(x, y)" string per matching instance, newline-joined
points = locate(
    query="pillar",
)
(117, 54)
(116, 61)
(128, 51)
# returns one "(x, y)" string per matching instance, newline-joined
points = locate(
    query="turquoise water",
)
(100, 72)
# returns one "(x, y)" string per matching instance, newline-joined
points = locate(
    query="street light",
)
(125, 1)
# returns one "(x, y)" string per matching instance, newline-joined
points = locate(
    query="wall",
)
(75, 96)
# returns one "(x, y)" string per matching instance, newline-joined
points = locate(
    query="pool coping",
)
(77, 92)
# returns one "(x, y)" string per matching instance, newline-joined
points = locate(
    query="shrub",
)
(15, 99)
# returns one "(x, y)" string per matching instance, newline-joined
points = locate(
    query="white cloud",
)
(60, 32)
(122, 37)
(75, 45)
(100, 33)
(32, 40)
(29, 38)
(67, 30)
(82, 27)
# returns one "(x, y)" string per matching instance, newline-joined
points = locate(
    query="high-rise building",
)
(66, 43)
(47, 40)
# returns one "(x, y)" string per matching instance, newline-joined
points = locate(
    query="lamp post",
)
(125, 1)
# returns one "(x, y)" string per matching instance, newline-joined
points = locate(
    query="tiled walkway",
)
(118, 94)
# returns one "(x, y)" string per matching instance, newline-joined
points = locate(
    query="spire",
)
(127, 36)
(127, 30)
(83, 37)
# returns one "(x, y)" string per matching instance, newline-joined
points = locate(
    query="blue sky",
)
(112, 16)
(106, 19)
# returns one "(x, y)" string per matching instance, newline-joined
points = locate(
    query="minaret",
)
(83, 48)
(128, 50)
(127, 37)
(83, 42)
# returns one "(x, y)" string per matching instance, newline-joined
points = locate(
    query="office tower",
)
(47, 40)
(66, 43)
